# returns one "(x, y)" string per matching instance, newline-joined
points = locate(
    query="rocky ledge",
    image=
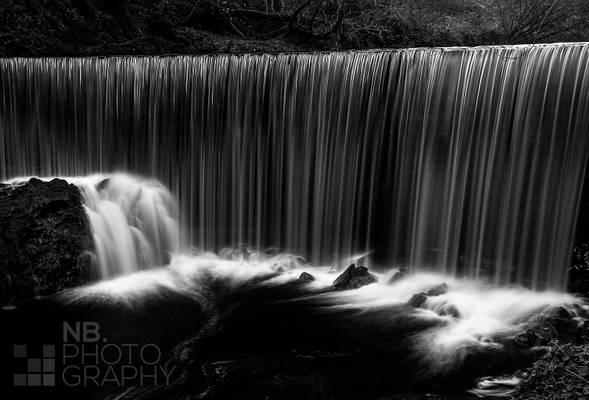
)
(353, 278)
(45, 239)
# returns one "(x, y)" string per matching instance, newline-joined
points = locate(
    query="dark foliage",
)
(579, 271)
(102, 27)
(561, 374)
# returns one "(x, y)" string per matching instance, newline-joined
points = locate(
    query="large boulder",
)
(45, 239)
(354, 277)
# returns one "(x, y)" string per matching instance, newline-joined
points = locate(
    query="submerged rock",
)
(353, 278)
(45, 239)
(438, 290)
(103, 184)
(397, 276)
(306, 277)
(417, 300)
(450, 310)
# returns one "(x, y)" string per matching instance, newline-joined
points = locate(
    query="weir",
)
(468, 161)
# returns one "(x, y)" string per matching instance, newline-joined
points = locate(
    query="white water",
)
(484, 315)
(473, 316)
(502, 386)
(133, 220)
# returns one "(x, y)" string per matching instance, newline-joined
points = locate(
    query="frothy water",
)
(134, 222)
(470, 318)
(503, 386)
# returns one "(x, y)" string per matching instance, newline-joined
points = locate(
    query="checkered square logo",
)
(40, 371)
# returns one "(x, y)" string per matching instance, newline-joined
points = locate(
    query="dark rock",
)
(451, 310)
(86, 260)
(306, 277)
(417, 300)
(557, 323)
(438, 290)
(579, 271)
(45, 239)
(527, 339)
(562, 314)
(397, 276)
(353, 278)
(166, 258)
(103, 184)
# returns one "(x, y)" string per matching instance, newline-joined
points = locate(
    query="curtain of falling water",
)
(468, 161)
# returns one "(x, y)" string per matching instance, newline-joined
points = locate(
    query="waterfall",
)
(133, 222)
(468, 161)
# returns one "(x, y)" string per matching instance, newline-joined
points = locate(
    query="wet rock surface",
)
(353, 278)
(45, 239)
(306, 277)
(559, 323)
(398, 276)
(527, 339)
(417, 300)
(438, 290)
